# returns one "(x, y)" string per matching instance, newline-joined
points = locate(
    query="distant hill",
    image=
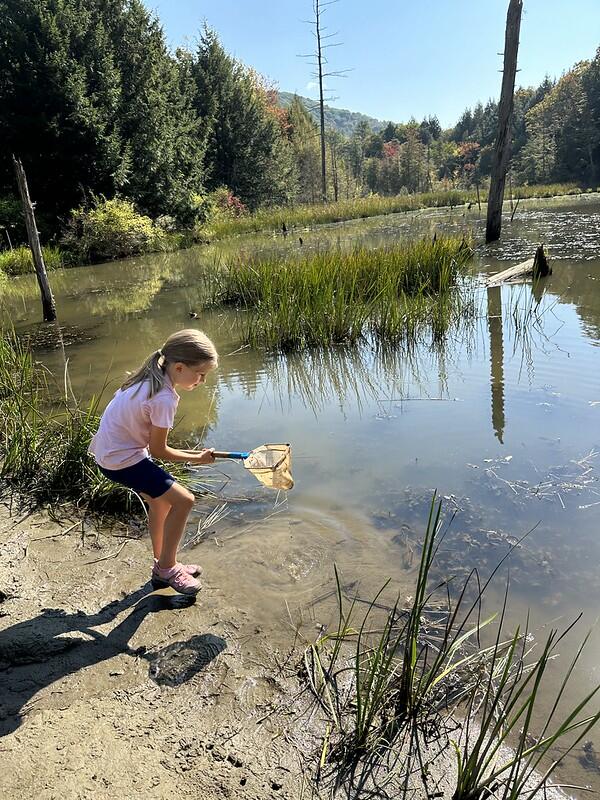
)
(339, 119)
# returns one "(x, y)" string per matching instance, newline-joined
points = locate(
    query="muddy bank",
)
(110, 690)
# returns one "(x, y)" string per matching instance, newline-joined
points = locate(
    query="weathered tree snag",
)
(536, 267)
(505, 111)
(48, 305)
(320, 58)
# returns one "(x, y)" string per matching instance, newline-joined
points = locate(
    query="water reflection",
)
(495, 327)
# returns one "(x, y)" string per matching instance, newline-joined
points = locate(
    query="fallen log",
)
(536, 267)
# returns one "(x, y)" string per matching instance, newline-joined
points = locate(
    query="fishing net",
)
(271, 464)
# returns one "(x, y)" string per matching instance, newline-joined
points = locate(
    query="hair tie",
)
(159, 352)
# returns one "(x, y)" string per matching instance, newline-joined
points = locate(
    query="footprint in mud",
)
(179, 662)
(589, 757)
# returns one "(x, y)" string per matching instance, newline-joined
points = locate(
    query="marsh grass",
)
(500, 714)
(45, 436)
(392, 691)
(336, 297)
(19, 261)
(305, 216)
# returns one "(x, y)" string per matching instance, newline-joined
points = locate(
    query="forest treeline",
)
(96, 105)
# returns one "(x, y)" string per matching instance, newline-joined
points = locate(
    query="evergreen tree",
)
(245, 147)
(162, 138)
(304, 138)
(92, 102)
(59, 100)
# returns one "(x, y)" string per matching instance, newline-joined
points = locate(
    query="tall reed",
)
(335, 297)
(502, 707)
(387, 688)
(45, 435)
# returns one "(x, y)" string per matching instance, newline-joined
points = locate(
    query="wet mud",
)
(111, 690)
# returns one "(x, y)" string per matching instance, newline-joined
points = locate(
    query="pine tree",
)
(59, 100)
(246, 149)
(304, 138)
(162, 138)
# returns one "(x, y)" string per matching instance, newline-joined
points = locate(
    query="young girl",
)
(135, 426)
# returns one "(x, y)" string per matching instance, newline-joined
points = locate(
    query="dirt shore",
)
(111, 690)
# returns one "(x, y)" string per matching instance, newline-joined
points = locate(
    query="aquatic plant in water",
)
(402, 691)
(332, 297)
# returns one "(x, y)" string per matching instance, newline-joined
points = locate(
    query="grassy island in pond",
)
(335, 297)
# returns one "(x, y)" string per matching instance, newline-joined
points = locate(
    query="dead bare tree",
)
(322, 44)
(505, 111)
(48, 304)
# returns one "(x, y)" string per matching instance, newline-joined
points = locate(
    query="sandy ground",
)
(110, 690)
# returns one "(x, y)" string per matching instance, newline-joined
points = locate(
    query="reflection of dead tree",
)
(505, 111)
(494, 303)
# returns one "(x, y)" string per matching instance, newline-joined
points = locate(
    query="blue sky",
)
(407, 58)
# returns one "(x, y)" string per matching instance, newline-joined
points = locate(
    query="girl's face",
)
(188, 376)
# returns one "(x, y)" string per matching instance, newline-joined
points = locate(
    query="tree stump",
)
(536, 267)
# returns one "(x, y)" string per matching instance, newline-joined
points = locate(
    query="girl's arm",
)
(160, 449)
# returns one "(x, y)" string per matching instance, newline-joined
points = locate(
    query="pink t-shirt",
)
(124, 433)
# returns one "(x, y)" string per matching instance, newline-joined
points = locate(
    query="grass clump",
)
(302, 216)
(545, 190)
(19, 261)
(335, 297)
(44, 438)
(409, 684)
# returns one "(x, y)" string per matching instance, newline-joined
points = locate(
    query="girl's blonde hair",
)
(188, 347)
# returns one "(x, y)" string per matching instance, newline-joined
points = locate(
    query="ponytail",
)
(152, 370)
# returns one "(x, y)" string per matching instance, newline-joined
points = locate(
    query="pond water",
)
(503, 421)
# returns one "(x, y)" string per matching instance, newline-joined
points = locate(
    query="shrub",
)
(218, 206)
(111, 229)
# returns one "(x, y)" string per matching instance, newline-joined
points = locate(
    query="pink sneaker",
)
(177, 578)
(191, 569)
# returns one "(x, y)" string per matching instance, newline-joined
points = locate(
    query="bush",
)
(217, 206)
(111, 229)
(20, 261)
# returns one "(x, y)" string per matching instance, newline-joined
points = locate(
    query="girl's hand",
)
(204, 457)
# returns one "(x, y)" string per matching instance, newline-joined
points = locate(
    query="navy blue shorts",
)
(145, 476)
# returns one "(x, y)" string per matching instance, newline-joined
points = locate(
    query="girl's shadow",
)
(37, 652)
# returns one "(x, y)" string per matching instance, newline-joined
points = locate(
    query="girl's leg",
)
(180, 501)
(158, 508)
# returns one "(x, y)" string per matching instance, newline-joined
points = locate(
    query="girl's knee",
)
(188, 499)
(180, 497)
